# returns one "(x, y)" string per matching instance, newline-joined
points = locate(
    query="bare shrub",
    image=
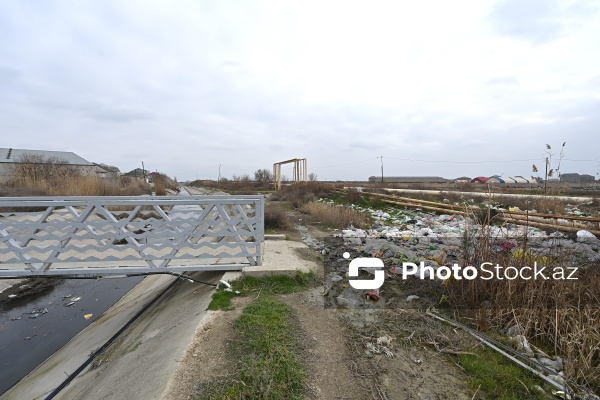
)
(299, 194)
(464, 186)
(275, 217)
(352, 196)
(335, 216)
(159, 188)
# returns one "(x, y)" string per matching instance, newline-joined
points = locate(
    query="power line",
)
(342, 165)
(462, 162)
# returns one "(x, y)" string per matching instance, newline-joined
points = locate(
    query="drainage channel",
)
(32, 328)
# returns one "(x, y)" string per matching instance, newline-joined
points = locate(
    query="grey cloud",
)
(503, 81)
(116, 114)
(231, 63)
(539, 21)
(94, 110)
(9, 75)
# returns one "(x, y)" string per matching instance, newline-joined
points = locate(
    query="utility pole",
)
(546, 177)
(219, 180)
(382, 172)
(143, 172)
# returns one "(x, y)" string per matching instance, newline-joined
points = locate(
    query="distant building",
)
(137, 173)
(501, 179)
(409, 179)
(510, 180)
(108, 171)
(571, 177)
(480, 179)
(587, 178)
(520, 179)
(462, 179)
(9, 157)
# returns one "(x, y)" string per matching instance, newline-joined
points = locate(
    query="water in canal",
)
(32, 329)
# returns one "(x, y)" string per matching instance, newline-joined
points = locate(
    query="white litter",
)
(224, 283)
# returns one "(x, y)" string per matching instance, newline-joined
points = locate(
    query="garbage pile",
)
(426, 231)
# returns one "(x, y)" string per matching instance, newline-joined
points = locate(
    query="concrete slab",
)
(275, 236)
(280, 257)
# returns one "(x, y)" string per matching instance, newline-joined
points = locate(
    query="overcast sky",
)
(459, 87)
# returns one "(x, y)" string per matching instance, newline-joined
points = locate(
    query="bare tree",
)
(312, 177)
(245, 178)
(34, 168)
(263, 175)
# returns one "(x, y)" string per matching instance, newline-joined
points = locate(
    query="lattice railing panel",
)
(116, 235)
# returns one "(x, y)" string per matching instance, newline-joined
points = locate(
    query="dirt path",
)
(337, 358)
(205, 357)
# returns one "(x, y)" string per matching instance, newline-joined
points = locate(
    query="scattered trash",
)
(88, 316)
(373, 295)
(32, 316)
(70, 304)
(549, 363)
(66, 297)
(75, 298)
(439, 257)
(373, 348)
(384, 340)
(558, 379)
(16, 318)
(584, 235)
(344, 302)
(411, 298)
(523, 345)
(12, 296)
(560, 393)
(225, 283)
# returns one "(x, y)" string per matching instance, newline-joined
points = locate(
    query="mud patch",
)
(25, 291)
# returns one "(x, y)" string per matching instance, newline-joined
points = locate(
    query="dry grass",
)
(159, 189)
(562, 317)
(299, 194)
(78, 185)
(275, 217)
(161, 183)
(335, 216)
(52, 177)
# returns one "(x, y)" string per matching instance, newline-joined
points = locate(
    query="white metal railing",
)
(96, 236)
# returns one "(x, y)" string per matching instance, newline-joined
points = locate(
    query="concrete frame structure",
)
(300, 171)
